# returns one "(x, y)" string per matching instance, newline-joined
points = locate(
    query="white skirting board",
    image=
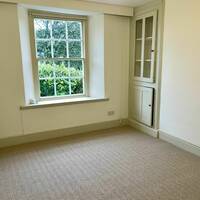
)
(179, 143)
(61, 133)
(99, 126)
(141, 127)
(182, 144)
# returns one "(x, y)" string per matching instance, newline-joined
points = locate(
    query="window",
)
(59, 55)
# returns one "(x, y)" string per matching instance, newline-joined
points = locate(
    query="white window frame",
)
(33, 14)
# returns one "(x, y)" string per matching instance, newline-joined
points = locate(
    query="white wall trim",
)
(72, 101)
(6, 142)
(179, 143)
(77, 5)
(141, 127)
(148, 7)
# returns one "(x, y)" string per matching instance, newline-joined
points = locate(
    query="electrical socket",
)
(110, 113)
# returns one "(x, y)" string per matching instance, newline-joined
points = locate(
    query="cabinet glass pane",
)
(147, 70)
(149, 27)
(137, 69)
(138, 49)
(147, 49)
(139, 29)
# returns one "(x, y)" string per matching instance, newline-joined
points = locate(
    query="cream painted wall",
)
(96, 55)
(116, 55)
(11, 78)
(180, 98)
(15, 122)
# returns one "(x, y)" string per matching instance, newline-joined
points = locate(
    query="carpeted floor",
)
(115, 164)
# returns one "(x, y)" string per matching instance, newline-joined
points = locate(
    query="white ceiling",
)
(122, 2)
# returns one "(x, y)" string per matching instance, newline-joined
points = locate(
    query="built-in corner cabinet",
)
(145, 44)
(144, 90)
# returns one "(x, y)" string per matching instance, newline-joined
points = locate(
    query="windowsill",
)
(61, 102)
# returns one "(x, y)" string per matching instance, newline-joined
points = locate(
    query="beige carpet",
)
(116, 164)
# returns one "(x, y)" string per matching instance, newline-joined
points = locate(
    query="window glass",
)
(59, 54)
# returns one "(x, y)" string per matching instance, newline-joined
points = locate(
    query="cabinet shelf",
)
(146, 60)
(148, 38)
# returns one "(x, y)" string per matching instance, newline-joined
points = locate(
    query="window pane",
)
(75, 49)
(74, 30)
(42, 28)
(76, 86)
(44, 49)
(45, 69)
(59, 29)
(59, 49)
(62, 87)
(47, 88)
(76, 68)
(61, 69)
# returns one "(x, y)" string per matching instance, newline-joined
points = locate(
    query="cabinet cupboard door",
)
(137, 98)
(143, 105)
(146, 107)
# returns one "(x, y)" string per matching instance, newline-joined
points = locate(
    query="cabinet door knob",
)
(152, 50)
(149, 105)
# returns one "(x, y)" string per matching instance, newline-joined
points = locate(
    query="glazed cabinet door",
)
(145, 44)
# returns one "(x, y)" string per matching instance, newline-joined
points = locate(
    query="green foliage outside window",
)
(50, 71)
(47, 87)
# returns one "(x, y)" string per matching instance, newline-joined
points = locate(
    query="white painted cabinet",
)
(143, 105)
(146, 45)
